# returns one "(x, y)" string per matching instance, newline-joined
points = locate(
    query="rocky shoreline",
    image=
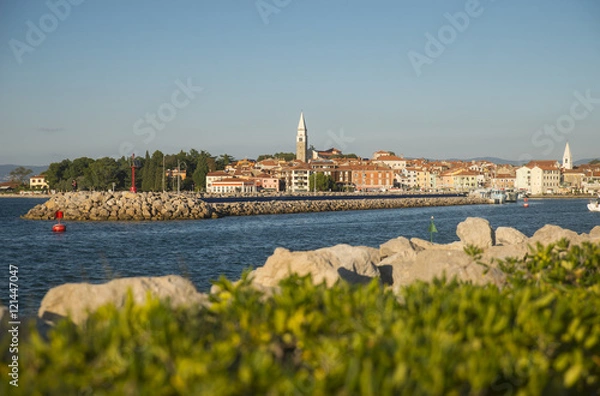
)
(396, 263)
(127, 206)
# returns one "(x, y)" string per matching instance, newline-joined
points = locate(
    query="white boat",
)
(594, 205)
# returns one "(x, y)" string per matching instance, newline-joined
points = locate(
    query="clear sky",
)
(439, 79)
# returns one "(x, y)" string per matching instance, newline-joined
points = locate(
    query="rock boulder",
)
(476, 231)
(552, 234)
(77, 300)
(509, 236)
(355, 264)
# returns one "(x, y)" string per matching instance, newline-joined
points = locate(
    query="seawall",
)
(127, 206)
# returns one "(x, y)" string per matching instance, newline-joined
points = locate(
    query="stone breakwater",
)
(123, 206)
(97, 206)
(397, 263)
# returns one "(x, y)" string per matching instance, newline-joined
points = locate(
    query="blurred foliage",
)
(540, 334)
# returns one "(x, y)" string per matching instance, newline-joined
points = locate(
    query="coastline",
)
(39, 196)
(579, 196)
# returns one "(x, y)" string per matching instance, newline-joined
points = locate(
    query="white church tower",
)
(301, 140)
(567, 162)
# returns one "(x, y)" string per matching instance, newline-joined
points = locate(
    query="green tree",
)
(351, 155)
(323, 182)
(223, 161)
(103, 172)
(57, 173)
(20, 174)
(263, 157)
(149, 173)
(205, 164)
(285, 156)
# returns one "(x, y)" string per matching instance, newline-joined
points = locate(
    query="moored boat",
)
(594, 205)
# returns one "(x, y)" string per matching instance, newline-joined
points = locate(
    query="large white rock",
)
(77, 300)
(430, 264)
(493, 254)
(476, 231)
(552, 234)
(400, 245)
(509, 236)
(421, 244)
(355, 264)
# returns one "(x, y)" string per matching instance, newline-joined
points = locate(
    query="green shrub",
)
(539, 335)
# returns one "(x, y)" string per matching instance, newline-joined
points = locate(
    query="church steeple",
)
(567, 162)
(301, 139)
(302, 123)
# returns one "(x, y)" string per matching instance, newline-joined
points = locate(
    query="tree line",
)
(107, 173)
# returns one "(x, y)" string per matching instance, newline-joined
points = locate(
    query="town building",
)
(325, 154)
(572, 179)
(266, 182)
(297, 177)
(539, 177)
(391, 161)
(212, 177)
(38, 182)
(233, 185)
(372, 177)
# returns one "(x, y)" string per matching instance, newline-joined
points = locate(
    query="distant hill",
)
(495, 160)
(585, 161)
(7, 168)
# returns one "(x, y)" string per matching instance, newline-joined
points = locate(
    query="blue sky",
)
(507, 81)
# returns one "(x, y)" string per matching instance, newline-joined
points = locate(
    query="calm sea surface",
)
(205, 249)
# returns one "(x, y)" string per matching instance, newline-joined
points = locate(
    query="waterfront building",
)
(461, 179)
(38, 182)
(233, 185)
(539, 177)
(426, 179)
(503, 181)
(372, 177)
(572, 179)
(266, 182)
(212, 177)
(296, 177)
(408, 177)
(344, 176)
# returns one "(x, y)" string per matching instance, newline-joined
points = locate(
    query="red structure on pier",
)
(134, 165)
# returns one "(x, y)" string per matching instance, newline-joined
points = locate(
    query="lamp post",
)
(134, 165)
(179, 173)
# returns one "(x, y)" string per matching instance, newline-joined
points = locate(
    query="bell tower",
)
(301, 140)
(567, 162)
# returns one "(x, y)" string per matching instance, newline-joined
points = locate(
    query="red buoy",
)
(526, 204)
(59, 227)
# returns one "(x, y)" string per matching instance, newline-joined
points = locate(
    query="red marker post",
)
(134, 165)
(59, 227)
